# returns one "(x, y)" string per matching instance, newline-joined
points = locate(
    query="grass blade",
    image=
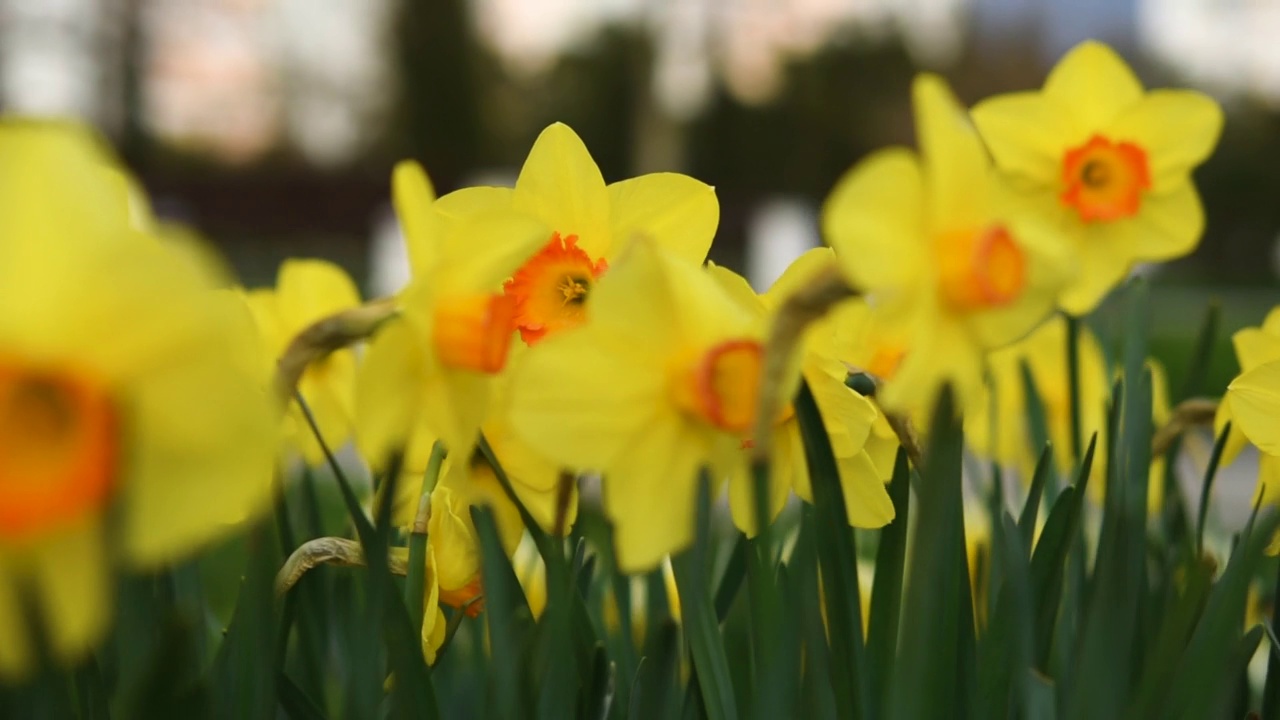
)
(886, 590)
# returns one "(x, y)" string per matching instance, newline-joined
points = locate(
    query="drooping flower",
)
(660, 382)
(307, 291)
(945, 257)
(847, 416)
(127, 391)
(1249, 398)
(1106, 162)
(434, 364)
(587, 223)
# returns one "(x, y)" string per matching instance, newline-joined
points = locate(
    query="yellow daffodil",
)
(847, 416)
(436, 361)
(942, 253)
(1249, 398)
(865, 344)
(132, 428)
(586, 223)
(661, 382)
(996, 425)
(307, 291)
(1106, 162)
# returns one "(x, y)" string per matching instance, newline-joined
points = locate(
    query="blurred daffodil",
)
(133, 423)
(1107, 162)
(1250, 402)
(307, 291)
(588, 223)
(935, 243)
(661, 382)
(847, 416)
(434, 364)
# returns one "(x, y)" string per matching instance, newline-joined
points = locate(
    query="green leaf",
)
(245, 667)
(1005, 653)
(1210, 472)
(929, 679)
(1186, 600)
(886, 589)
(817, 698)
(735, 571)
(775, 676)
(700, 625)
(838, 560)
(1207, 672)
(507, 613)
(655, 692)
(1271, 688)
(1049, 560)
(1031, 509)
(1202, 351)
(295, 702)
(1037, 417)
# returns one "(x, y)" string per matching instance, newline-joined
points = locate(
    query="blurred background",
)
(271, 125)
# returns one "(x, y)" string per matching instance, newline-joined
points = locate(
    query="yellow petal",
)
(308, 290)
(1094, 85)
(433, 620)
(874, 220)
(1026, 133)
(561, 186)
(196, 468)
(1101, 267)
(1255, 346)
(469, 202)
(955, 162)
(1255, 406)
(412, 194)
(579, 403)
(737, 286)
(73, 584)
(1236, 441)
(481, 251)
(651, 494)
(799, 274)
(1167, 226)
(1049, 267)
(1177, 129)
(674, 210)
(866, 502)
(742, 503)
(1272, 322)
(457, 401)
(328, 387)
(388, 391)
(1269, 482)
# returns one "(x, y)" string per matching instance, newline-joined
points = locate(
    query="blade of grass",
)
(1210, 473)
(1031, 509)
(508, 616)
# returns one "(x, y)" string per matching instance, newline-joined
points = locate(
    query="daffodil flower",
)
(307, 291)
(847, 416)
(1107, 162)
(1250, 398)
(587, 223)
(942, 253)
(436, 361)
(133, 428)
(659, 383)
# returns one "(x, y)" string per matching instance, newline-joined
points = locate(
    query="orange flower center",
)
(551, 289)
(723, 385)
(1103, 180)
(885, 360)
(978, 270)
(459, 597)
(473, 332)
(58, 448)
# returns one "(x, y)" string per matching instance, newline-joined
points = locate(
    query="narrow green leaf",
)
(837, 558)
(1184, 605)
(1005, 653)
(414, 595)
(817, 700)
(886, 589)
(655, 692)
(508, 616)
(1206, 488)
(245, 666)
(1271, 689)
(91, 693)
(735, 571)
(1073, 385)
(1037, 416)
(928, 679)
(1031, 509)
(1202, 351)
(1049, 560)
(701, 628)
(295, 702)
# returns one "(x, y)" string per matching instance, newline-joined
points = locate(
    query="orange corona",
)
(981, 269)
(469, 597)
(1104, 180)
(551, 289)
(723, 385)
(58, 449)
(473, 332)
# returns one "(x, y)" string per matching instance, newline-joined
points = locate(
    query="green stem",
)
(1073, 384)
(413, 587)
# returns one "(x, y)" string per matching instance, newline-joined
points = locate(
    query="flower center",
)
(473, 332)
(1103, 180)
(723, 385)
(551, 289)
(458, 598)
(982, 269)
(58, 449)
